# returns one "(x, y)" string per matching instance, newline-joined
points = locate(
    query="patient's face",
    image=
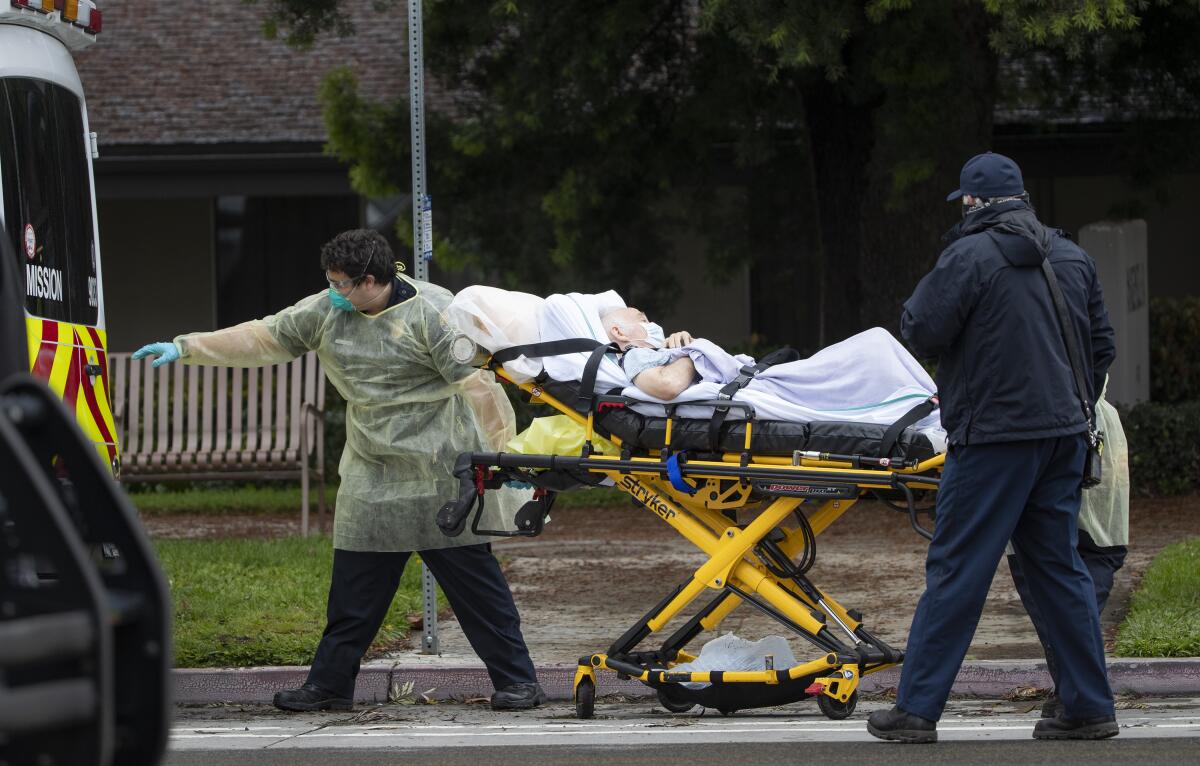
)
(624, 327)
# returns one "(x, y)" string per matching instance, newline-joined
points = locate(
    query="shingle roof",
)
(203, 73)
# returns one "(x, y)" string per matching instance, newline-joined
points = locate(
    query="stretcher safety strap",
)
(546, 348)
(745, 375)
(675, 474)
(892, 435)
(587, 387)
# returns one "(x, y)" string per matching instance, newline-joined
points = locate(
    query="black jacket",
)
(986, 314)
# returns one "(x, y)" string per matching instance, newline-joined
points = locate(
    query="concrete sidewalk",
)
(457, 679)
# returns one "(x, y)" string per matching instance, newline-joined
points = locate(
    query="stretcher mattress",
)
(768, 437)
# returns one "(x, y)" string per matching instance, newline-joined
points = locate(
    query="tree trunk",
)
(785, 282)
(840, 138)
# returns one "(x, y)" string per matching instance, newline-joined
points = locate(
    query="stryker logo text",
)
(647, 498)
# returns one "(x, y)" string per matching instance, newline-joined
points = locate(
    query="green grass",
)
(279, 499)
(285, 499)
(595, 497)
(1164, 618)
(261, 602)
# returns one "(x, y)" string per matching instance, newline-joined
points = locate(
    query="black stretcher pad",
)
(768, 437)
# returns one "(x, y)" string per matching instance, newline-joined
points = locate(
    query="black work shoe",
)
(518, 697)
(1076, 728)
(1052, 707)
(899, 726)
(310, 697)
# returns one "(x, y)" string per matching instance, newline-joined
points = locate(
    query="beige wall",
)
(1173, 234)
(157, 266)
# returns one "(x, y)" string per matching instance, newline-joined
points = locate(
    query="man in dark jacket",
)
(1017, 433)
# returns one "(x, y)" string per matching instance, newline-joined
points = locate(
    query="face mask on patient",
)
(654, 334)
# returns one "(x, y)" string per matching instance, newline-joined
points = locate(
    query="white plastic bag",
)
(497, 319)
(728, 652)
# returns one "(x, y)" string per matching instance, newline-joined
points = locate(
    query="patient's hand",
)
(679, 340)
(668, 381)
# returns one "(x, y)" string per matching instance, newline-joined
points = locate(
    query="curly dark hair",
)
(359, 252)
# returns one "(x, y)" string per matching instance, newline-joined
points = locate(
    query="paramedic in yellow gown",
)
(413, 403)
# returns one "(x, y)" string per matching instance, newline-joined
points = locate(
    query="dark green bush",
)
(1164, 447)
(1174, 343)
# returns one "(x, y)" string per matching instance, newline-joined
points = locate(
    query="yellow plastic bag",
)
(556, 435)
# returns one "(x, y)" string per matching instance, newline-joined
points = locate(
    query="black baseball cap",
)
(989, 175)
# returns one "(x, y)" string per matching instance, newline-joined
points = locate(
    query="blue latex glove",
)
(166, 352)
(518, 485)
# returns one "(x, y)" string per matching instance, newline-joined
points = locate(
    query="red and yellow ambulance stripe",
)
(61, 354)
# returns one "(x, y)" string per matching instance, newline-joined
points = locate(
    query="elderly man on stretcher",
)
(869, 378)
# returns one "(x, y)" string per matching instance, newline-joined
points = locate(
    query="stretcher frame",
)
(752, 563)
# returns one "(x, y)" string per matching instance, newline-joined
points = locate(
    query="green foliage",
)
(1174, 339)
(1164, 616)
(1164, 447)
(1065, 24)
(1141, 74)
(260, 602)
(583, 137)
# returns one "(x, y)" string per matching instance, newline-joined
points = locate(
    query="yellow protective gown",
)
(413, 403)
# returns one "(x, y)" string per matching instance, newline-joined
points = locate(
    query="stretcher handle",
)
(452, 517)
(912, 511)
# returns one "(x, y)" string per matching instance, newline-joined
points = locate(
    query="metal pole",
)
(422, 225)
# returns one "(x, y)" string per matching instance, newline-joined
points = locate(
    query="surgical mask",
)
(339, 301)
(654, 334)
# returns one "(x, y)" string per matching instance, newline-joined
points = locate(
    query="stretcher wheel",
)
(585, 698)
(671, 704)
(836, 710)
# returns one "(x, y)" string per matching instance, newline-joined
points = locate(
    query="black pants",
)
(364, 584)
(1027, 492)
(1101, 562)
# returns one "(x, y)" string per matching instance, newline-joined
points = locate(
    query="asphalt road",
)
(639, 732)
(1115, 752)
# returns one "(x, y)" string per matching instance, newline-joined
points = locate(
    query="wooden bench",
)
(192, 423)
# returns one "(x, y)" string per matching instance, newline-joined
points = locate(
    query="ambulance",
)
(48, 204)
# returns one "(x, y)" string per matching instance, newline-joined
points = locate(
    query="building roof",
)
(204, 73)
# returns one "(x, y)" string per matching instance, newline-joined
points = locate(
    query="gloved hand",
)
(166, 351)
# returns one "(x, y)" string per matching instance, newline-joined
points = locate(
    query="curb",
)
(983, 678)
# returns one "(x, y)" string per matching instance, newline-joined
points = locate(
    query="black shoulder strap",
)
(587, 383)
(546, 348)
(892, 434)
(745, 375)
(1069, 339)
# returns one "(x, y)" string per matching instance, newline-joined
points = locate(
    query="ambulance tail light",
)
(20, 3)
(93, 23)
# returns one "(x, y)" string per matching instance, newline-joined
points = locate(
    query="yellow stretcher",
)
(697, 478)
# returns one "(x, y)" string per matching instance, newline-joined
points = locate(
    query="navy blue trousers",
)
(363, 585)
(1102, 563)
(1028, 492)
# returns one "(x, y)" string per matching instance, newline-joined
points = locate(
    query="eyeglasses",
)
(341, 284)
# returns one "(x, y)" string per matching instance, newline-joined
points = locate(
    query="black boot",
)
(899, 726)
(1076, 728)
(1053, 706)
(518, 697)
(310, 697)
